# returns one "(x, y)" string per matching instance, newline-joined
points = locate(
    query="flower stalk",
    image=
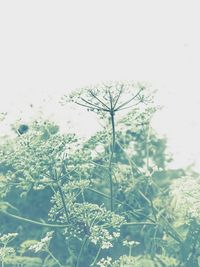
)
(108, 98)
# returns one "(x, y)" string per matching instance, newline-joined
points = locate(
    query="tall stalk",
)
(2, 263)
(32, 221)
(107, 102)
(112, 149)
(63, 202)
(61, 193)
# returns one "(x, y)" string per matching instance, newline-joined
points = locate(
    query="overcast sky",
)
(48, 48)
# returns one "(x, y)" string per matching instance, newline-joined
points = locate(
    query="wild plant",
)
(102, 202)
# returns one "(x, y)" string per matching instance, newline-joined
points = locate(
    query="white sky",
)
(48, 48)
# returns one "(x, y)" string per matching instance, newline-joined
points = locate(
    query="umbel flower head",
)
(100, 225)
(109, 97)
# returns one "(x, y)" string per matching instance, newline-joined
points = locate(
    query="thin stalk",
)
(93, 106)
(147, 147)
(54, 258)
(96, 258)
(113, 131)
(99, 100)
(83, 196)
(129, 106)
(61, 195)
(2, 263)
(120, 92)
(87, 106)
(153, 247)
(111, 159)
(63, 202)
(174, 234)
(46, 260)
(32, 221)
(138, 223)
(130, 251)
(127, 102)
(81, 251)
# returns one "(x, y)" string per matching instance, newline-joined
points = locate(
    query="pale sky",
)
(48, 48)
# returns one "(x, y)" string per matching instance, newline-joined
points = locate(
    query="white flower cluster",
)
(43, 244)
(5, 239)
(105, 262)
(6, 252)
(185, 193)
(102, 236)
(101, 98)
(125, 261)
(130, 243)
(100, 225)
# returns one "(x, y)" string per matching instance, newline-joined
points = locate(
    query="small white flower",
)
(130, 243)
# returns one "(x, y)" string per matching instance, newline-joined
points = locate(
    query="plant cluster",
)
(109, 201)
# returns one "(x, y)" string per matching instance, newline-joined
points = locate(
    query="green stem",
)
(175, 235)
(172, 232)
(63, 202)
(127, 102)
(46, 260)
(55, 177)
(99, 100)
(130, 251)
(147, 147)
(111, 159)
(81, 251)
(113, 130)
(32, 221)
(138, 223)
(54, 258)
(95, 259)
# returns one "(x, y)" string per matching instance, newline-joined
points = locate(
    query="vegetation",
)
(109, 201)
